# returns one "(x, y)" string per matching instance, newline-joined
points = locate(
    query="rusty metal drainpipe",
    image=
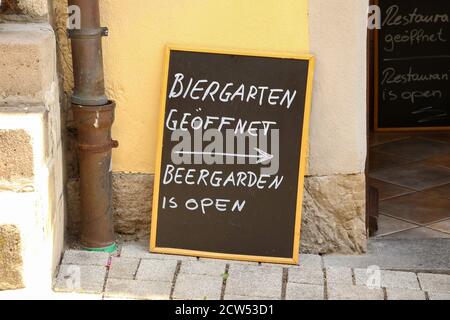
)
(94, 115)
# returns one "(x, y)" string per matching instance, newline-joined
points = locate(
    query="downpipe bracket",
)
(88, 33)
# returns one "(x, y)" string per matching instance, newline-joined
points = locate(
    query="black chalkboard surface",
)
(413, 65)
(232, 148)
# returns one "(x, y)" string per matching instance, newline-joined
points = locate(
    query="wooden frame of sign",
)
(376, 98)
(294, 257)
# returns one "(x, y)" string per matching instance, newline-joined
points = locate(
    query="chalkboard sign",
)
(231, 162)
(413, 65)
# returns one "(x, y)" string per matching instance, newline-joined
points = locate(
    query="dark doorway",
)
(408, 171)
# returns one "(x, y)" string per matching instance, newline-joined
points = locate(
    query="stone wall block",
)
(33, 8)
(24, 10)
(16, 156)
(10, 258)
(132, 202)
(27, 62)
(334, 215)
(23, 147)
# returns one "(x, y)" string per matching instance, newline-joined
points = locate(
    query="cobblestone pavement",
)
(133, 273)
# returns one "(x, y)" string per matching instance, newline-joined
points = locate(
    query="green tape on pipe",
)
(110, 249)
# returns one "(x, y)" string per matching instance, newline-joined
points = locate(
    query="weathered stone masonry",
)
(32, 203)
(10, 258)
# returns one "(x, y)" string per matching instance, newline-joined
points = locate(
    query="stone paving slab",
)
(120, 299)
(80, 279)
(389, 279)
(137, 274)
(434, 282)
(402, 294)
(231, 262)
(123, 268)
(148, 290)
(135, 249)
(296, 291)
(198, 287)
(339, 275)
(310, 261)
(209, 268)
(439, 296)
(305, 261)
(85, 258)
(306, 276)
(237, 269)
(253, 281)
(141, 250)
(346, 292)
(157, 270)
(417, 255)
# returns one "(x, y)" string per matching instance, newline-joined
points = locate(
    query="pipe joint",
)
(90, 33)
(97, 148)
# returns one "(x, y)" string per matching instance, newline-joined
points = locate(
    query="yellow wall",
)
(139, 30)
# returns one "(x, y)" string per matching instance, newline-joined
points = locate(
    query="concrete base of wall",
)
(333, 211)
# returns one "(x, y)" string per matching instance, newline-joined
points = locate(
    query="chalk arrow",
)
(261, 156)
